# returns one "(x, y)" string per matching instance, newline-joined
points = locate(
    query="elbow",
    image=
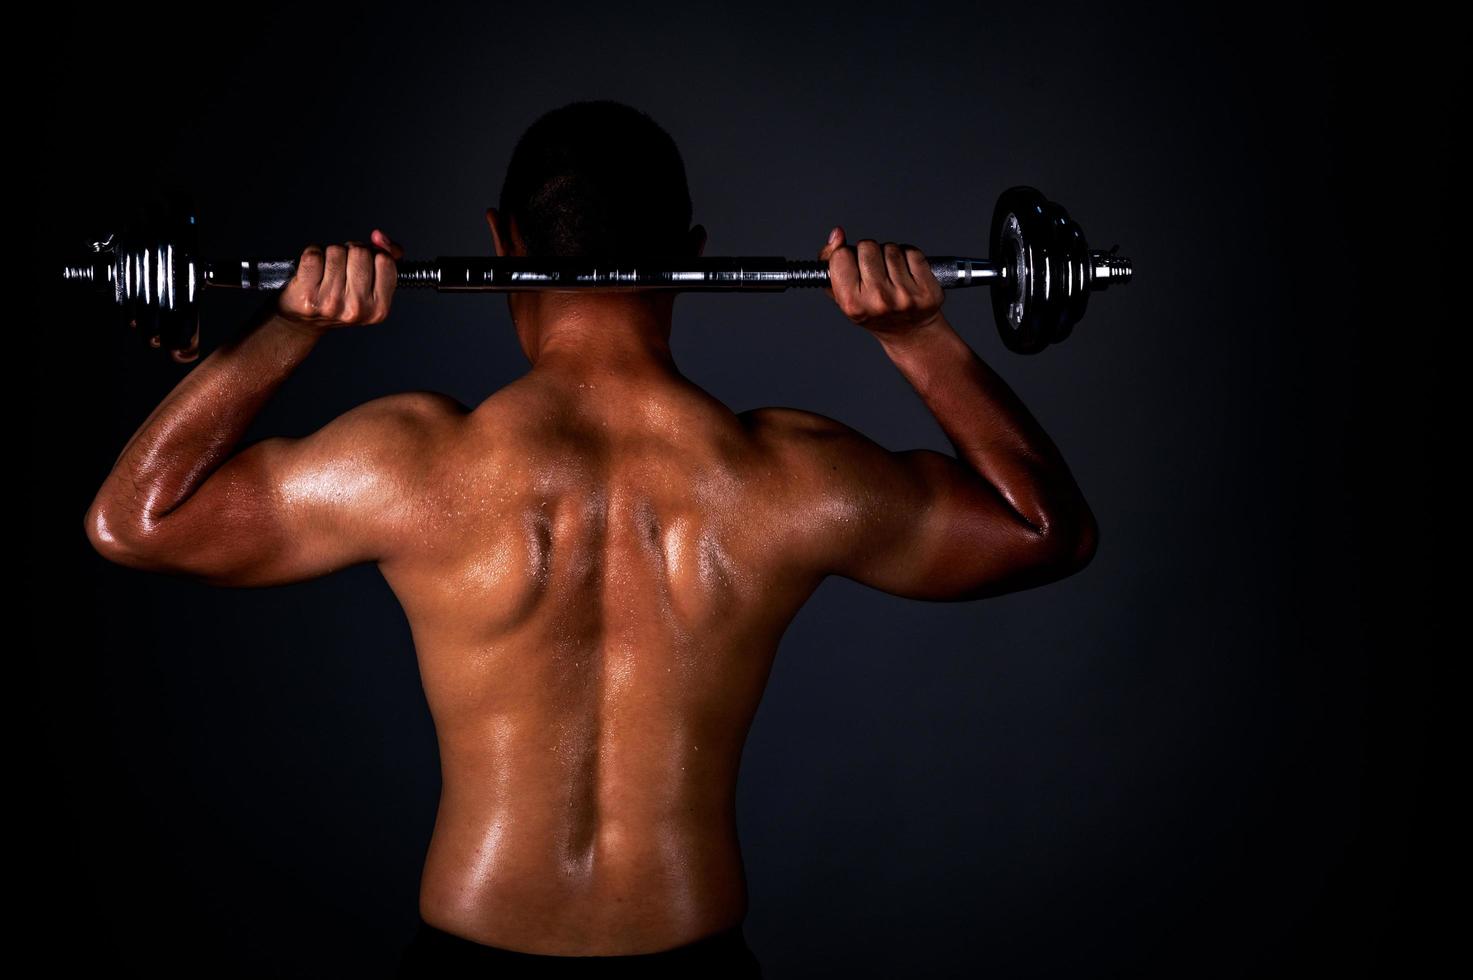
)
(1086, 543)
(116, 540)
(1068, 545)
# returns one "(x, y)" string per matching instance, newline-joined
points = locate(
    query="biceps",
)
(271, 514)
(931, 528)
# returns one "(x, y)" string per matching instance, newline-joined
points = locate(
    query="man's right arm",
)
(1004, 514)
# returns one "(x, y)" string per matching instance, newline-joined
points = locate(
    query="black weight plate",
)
(1050, 306)
(172, 233)
(1016, 234)
(1067, 289)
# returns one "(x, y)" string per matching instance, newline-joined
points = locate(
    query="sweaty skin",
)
(597, 564)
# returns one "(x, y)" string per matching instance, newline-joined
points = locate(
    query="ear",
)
(498, 243)
(697, 239)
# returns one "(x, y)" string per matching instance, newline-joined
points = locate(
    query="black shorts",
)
(434, 953)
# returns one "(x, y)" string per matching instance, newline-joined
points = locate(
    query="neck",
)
(597, 335)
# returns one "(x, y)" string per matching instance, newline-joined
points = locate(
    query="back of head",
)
(597, 178)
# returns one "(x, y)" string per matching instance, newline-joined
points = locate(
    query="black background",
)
(1207, 754)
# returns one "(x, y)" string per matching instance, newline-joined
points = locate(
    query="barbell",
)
(1041, 273)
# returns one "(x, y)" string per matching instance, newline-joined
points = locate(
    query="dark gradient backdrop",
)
(1202, 756)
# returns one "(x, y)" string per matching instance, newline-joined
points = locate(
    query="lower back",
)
(594, 629)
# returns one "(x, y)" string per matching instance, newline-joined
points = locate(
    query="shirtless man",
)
(597, 562)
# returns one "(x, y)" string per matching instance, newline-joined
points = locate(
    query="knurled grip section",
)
(275, 274)
(812, 273)
(419, 275)
(807, 274)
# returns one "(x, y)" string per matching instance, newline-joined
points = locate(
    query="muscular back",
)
(597, 564)
(596, 594)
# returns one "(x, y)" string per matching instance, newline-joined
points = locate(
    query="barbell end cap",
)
(1108, 269)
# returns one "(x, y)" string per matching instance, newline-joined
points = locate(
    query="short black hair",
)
(597, 178)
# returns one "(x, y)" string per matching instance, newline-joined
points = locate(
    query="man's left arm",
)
(281, 510)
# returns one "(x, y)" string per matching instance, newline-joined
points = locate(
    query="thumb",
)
(386, 243)
(835, 242)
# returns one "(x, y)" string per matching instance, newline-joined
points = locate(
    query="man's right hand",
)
(887, 289)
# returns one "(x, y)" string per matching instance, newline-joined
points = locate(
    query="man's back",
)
(596, 594)
(597, 565)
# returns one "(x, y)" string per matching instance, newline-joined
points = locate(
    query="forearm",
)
(197, 426)
(990, 428)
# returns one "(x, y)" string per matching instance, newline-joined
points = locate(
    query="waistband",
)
(434, 952)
